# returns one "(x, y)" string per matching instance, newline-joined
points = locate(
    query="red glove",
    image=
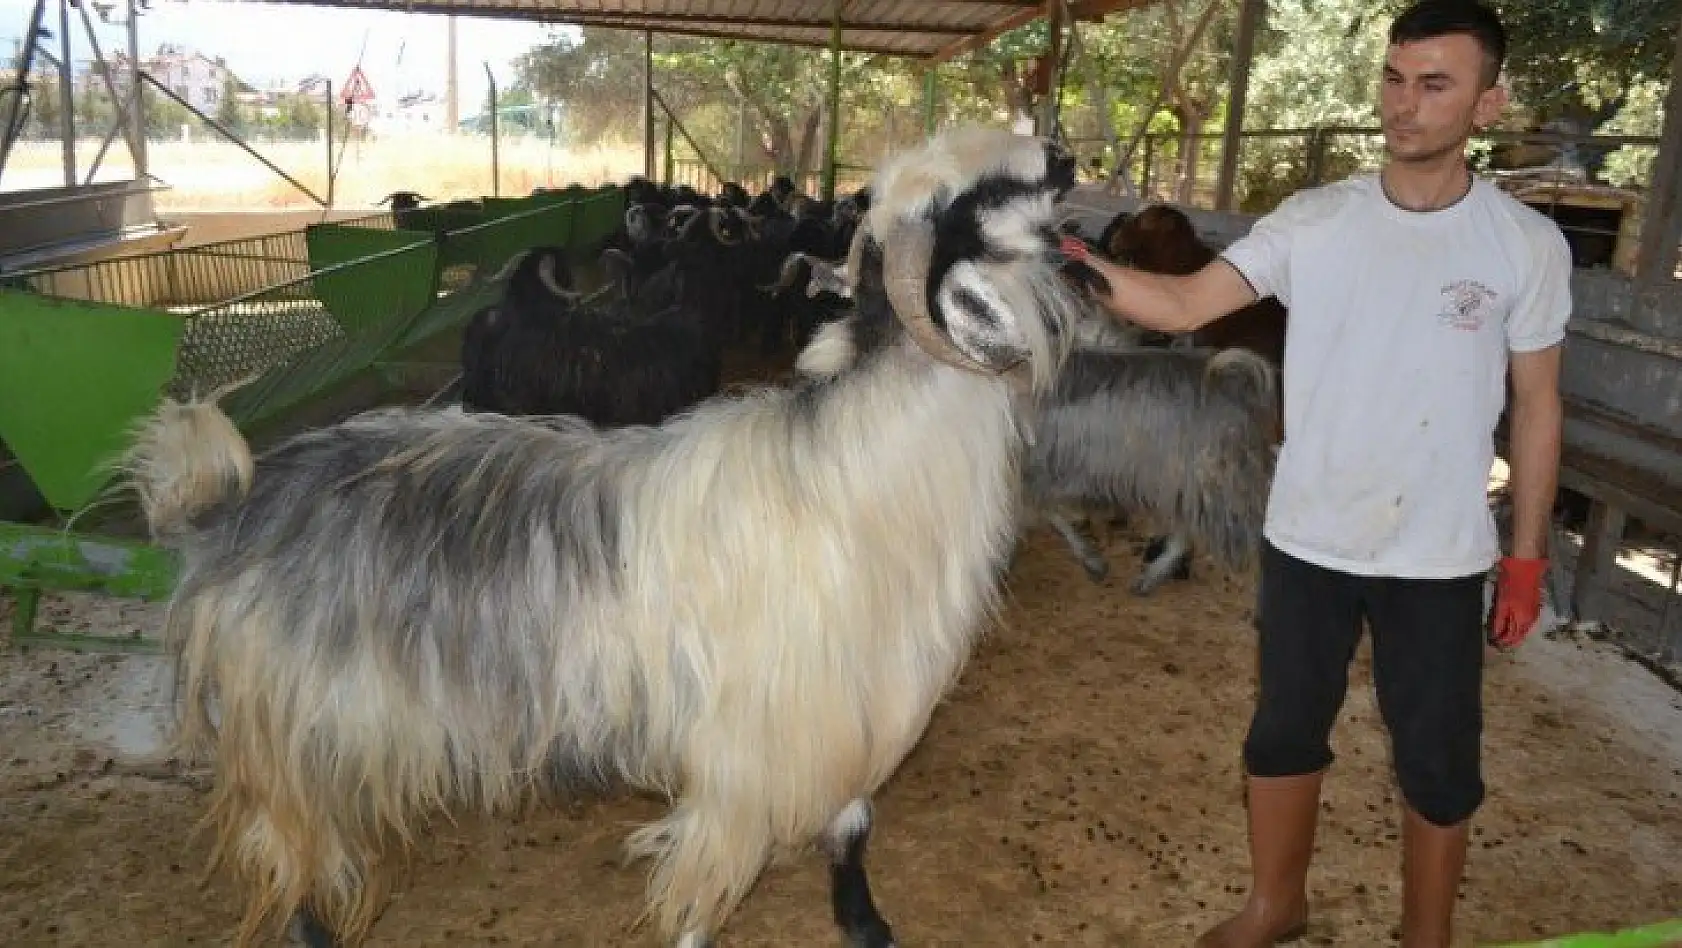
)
(1518, 600)
(1074, 249)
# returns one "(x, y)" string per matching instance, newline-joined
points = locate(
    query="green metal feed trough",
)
(87, 350)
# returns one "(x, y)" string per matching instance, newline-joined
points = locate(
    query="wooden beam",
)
(1249, 20)
(1661, 227)
(976, 41)
(1598, 560)
(1078, 9)
(708, 21)
(742, 37)
(1098, 9)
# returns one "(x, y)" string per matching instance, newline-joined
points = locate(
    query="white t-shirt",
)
(1395, 367)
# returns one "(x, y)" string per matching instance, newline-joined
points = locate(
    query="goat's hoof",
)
(1142, 586)
(1096, 570)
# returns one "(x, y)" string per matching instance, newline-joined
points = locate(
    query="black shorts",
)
(1427, 651)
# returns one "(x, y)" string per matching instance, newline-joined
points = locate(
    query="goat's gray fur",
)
(752, 608)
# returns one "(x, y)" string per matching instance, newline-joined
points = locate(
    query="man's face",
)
(1433, 96)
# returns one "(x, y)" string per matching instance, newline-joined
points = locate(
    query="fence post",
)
(669, 122)
(1316, 156)
(1149, 162)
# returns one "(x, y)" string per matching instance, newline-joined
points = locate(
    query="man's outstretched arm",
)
(1168, 303)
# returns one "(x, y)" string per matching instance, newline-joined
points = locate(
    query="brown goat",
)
(1161, 239)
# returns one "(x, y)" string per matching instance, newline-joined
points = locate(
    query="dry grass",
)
(207, 175)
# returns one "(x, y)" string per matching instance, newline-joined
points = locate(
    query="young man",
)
(1412, 292)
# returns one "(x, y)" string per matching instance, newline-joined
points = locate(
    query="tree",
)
(1576, 62)
(228, 113)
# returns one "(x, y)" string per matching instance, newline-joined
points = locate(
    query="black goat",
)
(544, 351)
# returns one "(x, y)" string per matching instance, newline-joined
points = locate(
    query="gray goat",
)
(1181, 435)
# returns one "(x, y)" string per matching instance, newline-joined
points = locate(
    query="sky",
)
(399, 52)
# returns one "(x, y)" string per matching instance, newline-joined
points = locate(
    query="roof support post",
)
(832, 137)
(929, 92)
(648, 104)
(1661, 225)
(1054, 61)
(1249, 18)
(66, 96)
(137, 108)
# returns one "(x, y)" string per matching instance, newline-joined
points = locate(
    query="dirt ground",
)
(1080, 787)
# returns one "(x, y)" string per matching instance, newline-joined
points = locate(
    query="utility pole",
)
(452, 115)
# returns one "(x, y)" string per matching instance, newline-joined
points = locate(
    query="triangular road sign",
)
(357, 87)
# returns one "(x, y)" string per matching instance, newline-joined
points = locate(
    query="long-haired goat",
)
(754, 607)
(1161, 238)
(1179, 434)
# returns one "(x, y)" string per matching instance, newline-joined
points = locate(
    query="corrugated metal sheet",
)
(914, 28)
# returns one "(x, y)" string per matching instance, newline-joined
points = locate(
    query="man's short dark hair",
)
(1429, 18)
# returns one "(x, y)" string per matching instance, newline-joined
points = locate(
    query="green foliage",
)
(228, 112)
(1597, 65)
(1580, 59)
(1642, 114)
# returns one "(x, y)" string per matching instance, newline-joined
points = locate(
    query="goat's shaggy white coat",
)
(753, 608)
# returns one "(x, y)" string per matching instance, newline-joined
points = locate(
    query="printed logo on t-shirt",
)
(1467, 303)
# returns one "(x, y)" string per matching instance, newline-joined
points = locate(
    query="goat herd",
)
(599, 571)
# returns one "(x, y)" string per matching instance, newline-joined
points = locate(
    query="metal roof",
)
(923, 29)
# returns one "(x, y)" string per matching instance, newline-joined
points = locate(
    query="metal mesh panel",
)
(172, 279)
(288, 340)
(381, 221)
(235, 341)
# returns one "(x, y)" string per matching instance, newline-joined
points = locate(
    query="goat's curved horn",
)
(905, 265)
(715, 220)
(551, 281)
(907, 247)
(786, 274)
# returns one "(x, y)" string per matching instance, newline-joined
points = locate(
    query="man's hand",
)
(1075, 249)
(1518, 600)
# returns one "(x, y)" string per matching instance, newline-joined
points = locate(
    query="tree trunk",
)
(777, 144)
(810, 133)
(1191, 124)
(1018, 97)
(1170, 81)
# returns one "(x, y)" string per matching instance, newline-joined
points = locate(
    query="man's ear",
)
(1491, 102)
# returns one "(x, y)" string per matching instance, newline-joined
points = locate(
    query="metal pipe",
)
(496, 160)
(230, 136)
(648, 104)
(16, 114)
(67, 96)
(137, 110)
(931, 82)
(671, 120)
(669, 125)
(329, 114)
(104, 69)
(832, 136)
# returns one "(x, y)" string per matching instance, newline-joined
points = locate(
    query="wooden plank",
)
(1598, 560)
(1628, 338)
